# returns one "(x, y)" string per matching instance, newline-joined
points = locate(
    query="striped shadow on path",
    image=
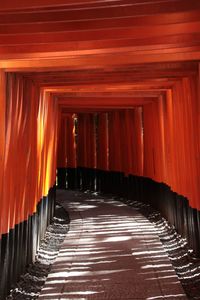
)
(110, 252)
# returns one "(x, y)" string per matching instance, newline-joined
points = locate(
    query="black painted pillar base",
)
(61, 178)
(175, 208)
(18, 247)
(72, 178)
(86, 179)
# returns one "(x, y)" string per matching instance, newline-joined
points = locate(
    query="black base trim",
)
(19, 246)
(61, 178)
(175, 208)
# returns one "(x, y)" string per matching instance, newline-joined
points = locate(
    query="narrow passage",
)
(110, 252)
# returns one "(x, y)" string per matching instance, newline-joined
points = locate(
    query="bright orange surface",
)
(127, 69)
(29, 167)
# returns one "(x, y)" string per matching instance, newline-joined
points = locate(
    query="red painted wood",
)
(133, 66)
(29, 162)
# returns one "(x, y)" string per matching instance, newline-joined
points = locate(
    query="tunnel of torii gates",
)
(106, 94)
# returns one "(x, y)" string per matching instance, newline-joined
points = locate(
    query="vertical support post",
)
(198, 130)
(62, 154)
(2, 130)
(102, 146)
(71, 153)
(2, 148)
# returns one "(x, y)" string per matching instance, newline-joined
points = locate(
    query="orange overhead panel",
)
(102, 57)
(102, 102)
(78, 110)
(136, 32)
(95, 16)
(97, 34)
(135, 86)
(118, 76)
(147, 5)
(94, 61)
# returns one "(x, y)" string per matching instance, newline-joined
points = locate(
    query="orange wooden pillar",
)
(28, 168)
(190, 185)
(124, 142)
(86, 150)
(169, 139)
(62, 152)
(183, 174)
(2, 143)
(115, 151)
(102, 142)
(62, 145)
(135, 135)
(153, 142)
(71, 152)
(70, 141)
(90, 141)
(137, 141)
(114, 128)
(81, 141)
(86, 140)
(131, 140)
(102, 152)
(197, 128)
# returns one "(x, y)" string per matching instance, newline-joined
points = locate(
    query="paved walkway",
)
(110, 252)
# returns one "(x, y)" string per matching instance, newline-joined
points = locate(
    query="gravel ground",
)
(186, 265)
(31, 283)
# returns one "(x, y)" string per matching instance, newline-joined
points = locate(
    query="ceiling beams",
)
(103, 50)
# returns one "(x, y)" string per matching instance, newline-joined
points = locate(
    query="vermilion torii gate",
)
(106, 92)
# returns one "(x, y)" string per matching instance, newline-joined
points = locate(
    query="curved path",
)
(110, 252)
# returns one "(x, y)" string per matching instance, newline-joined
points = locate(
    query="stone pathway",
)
(110, 252)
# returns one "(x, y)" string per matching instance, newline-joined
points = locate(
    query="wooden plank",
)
(94, 61)
(106, 11)
(2, 132)
(103, 102)
(67, 25)
(136, 32)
